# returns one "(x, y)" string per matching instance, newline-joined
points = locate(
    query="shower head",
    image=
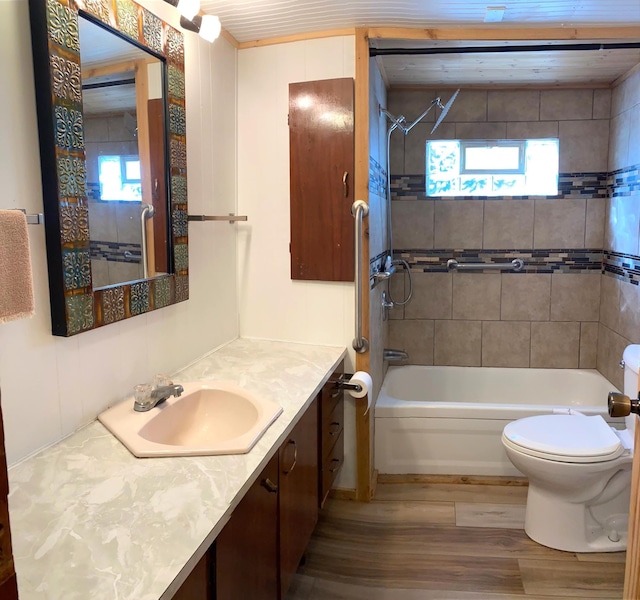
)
(445, 109)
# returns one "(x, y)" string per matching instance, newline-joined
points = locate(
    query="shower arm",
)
(400, 122)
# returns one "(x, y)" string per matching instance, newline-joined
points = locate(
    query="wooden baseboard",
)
(462, 479)
(342, 494)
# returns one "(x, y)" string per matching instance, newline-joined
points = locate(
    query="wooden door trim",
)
(363, 362)
(632, 566)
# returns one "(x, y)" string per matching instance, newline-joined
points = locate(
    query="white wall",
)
(51, 386)
(273, 306)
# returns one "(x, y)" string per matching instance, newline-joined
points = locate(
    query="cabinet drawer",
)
(332, 426)
(331, 465)
(331, 396)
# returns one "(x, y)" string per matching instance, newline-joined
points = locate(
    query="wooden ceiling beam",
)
(506, 33)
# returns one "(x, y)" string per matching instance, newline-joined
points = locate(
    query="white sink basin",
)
(212, 417)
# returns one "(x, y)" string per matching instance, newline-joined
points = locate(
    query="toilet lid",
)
(563, 437)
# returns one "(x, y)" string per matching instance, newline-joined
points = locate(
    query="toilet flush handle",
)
(621, 405)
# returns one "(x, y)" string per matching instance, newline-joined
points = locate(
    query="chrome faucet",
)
(391, 354)
(158, 395)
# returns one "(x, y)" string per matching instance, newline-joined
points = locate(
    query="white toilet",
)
(579, 472)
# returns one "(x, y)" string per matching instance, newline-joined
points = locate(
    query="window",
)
(120, 178)
(492, 167)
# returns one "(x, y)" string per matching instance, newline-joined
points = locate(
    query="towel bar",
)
(34, 219)
(516, 264)
(231, 218)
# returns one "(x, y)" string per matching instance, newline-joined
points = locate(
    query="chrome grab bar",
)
(517, 264)
(147, 212)
(359, 210)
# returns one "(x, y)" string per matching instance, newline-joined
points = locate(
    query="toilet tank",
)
(631, 357)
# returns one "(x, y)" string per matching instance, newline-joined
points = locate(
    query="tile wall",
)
(620, 294)
(546, 316)
(114, 227)
(377, 220)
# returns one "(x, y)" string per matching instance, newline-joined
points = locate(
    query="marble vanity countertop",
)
(89, 520)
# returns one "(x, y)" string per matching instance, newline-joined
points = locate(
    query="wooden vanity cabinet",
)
(298, 493)
(258, 552)
(246, 550)
(197, 586)
(331, 433)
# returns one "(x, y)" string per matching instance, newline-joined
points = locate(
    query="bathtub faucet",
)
(391, 354)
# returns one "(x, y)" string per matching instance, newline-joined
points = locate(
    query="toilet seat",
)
(564, 438)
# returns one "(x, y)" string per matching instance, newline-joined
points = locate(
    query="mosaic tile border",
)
(115, 251)
(558, 260)
(75, 306)
(625, 267)
(377, 178)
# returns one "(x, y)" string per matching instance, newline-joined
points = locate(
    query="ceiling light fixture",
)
(192, 19)
(189, 8)
(210, 28)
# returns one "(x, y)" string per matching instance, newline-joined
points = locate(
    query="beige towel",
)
(16, 284)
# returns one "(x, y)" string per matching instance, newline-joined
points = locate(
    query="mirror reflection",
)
(123, 106)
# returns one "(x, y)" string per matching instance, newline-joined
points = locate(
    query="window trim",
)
(466, 144)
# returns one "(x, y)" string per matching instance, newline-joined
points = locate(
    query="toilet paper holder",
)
(343, 383)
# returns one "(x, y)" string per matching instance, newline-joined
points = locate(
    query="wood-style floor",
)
(444, 541)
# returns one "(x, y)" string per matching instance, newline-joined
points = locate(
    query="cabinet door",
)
(321, 179)
(196, 586)
(298, 493)
(247, 548)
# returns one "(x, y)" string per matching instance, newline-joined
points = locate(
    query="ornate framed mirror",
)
(110, 93)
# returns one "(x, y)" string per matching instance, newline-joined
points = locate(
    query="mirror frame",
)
(75, 305)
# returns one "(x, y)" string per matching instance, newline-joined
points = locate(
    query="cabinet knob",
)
(345, 184)
(334, 428)
(335, 465)
(268, 485)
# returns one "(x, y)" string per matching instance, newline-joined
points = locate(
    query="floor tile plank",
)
(336, 590)
(503, 516)
(429, 541)
(391, 513)
(443, 492)
(553, 578)
(405, 571)
(603, 557)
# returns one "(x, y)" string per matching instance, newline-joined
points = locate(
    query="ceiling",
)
(252, 20)
(543, 67)
(101, 49)
(249, 20)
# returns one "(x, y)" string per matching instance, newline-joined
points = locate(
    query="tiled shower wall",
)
(546, 316)
(620, 298)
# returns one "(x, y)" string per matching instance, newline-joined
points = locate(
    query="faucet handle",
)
(161, 380)
(142, 394)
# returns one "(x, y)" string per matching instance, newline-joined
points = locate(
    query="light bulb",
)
(189, 8)
(210, 27)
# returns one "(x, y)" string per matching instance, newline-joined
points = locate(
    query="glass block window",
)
(492, 167)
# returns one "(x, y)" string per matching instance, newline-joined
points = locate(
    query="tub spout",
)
(391, 354)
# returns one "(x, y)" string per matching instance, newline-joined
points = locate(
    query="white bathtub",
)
(448, 420)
